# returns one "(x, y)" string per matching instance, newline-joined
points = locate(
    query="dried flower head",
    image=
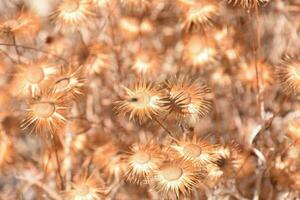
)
(129, 27)
(133, 27)
(147, 26)
(68, 81)
(201, 15)
(99, 59)
(135, 5)
(197, 150)
(175, 177)
(142, 161)
(199, 51)
(143, 101)
(85, 188)
(247, 74)
(248, 3)
(23, 26)
(289, 75)
(46, 112)
(146, 62)
(109, 159)
(244, 164)
(187, 98)
(223, 165)
(32, 77)
(73, 15)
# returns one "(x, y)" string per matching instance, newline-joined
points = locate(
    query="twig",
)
(261, 83)
(58, 169)
(165, 128)
(35, 49)
(68, 159)
(16, 48)
(8, 56)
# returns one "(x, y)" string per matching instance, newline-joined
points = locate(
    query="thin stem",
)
(16, 48)
(260, 81)
(45, 174)
(35, 49)
(8, 56)
(68, 159)
(113, 38)
(58, 169)
(165, 128)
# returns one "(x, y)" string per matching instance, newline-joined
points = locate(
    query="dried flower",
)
(129, 27)
(248, 3)
(177, 177)
(109, 159)
(186, 98)
(143, 101)
(99, 60)
(247, 74)
(142, 161)
(223, 165)
(46, 112)
(85, 188)
(23, 26)
(199, 51)
(32, 77)
(201, 15)
(135, 5)
(289, 75)
(196, 150)
(146, 62)
(68, 81)
(73, 15)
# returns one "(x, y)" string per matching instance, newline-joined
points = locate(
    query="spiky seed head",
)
(196, 150)
(223, 166)
(199, 51)
(129, 27)
(175, 177)
(248, 4)
(186, 98)
(147, 26)
(99, 59)
(244, 164)
(23, 26)
(288, 73)
(73, 15)
(247, 73)
(109, 159)
(143, 101)
(146, 62)
(30, 78)
(68, 81)
(142, 161)
(85, 188)
(201, 15)
(46, 112)
(136, 6)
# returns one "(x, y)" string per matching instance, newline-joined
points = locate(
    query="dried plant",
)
(149, 99)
